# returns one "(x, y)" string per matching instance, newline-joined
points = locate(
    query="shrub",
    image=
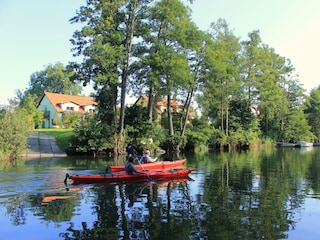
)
(13, 134)
(197, 139)
(93, 137)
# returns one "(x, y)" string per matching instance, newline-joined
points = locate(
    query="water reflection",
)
(128, 211)
(250, 195)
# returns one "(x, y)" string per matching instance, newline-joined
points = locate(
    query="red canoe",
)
(122, 176)
(160, 165)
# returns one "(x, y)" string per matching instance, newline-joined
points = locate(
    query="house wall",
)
(89, 108)
(50, 112)
(69, 106)
(45, 105)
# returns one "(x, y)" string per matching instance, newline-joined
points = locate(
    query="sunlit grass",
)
(62, 136)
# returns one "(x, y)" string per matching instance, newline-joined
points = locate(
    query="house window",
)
(46, 114)
(70, 108)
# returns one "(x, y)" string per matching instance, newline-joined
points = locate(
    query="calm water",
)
(272, 194)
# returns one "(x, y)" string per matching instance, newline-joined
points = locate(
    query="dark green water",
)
(272, 194)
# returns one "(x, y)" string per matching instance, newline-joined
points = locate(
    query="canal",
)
(266, 194)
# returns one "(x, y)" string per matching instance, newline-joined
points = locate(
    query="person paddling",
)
(129, 167)
(132, 150)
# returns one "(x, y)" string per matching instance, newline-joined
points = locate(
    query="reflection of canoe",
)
(52, 198)
(161, 165)
(284, 144)
(305, 149)
(124, 177)
(304, 144)
(136, 191)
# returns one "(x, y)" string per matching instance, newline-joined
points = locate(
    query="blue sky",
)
(36, 33)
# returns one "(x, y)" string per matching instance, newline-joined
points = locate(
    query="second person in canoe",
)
(146, 157)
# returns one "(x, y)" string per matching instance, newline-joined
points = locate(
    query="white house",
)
(54, 105)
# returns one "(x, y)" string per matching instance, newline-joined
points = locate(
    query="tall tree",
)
(313, 112)
(106, 43)
(165, 52)
(272, 68)
(249, 70)
(54, 78)
(263, 76)
(221, 85)
(297, 127)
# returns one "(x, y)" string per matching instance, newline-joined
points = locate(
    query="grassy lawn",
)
(62, 136)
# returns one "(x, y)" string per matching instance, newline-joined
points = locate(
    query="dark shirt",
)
(130, 169)
(131, 150)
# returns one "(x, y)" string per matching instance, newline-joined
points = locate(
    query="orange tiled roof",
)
(57, 99)
(162, 102)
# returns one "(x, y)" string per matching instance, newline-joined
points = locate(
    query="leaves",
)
(13, 134)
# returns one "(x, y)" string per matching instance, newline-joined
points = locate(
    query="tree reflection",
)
(137, 211)
(252, 195)
(249, 202)
(16, 210)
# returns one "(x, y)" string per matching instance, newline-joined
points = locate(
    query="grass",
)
(62, 136)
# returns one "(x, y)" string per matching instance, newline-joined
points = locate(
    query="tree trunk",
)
(188, 103)
(222, 120)
(120, 141)
(124, 77)
(150, 103)
(170, 123)
(227, 121)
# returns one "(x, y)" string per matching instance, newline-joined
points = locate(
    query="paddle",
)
(144, 169)
(66, 178)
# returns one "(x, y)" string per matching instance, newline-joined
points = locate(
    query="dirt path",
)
(43, 146)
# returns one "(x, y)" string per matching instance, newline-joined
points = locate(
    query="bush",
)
(172, 142)
(197, 140)
(70, 120)
(94, 137)
(13, 134)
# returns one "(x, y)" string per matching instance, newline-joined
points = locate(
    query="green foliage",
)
(196, 139)
(199, 134)
(175, 120)
(160, 51)
(166, 53)
(221, 85)
(54, 78)
(171, 56)
(313, 112)
(28, 104)
(171, 142)
(237, 138)
(241, 116)
(297, 128)
(137, 117)
(139, 131)
(268, 142)
(70, 120)
(94, 137)
(13, 134)
(57, 121)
